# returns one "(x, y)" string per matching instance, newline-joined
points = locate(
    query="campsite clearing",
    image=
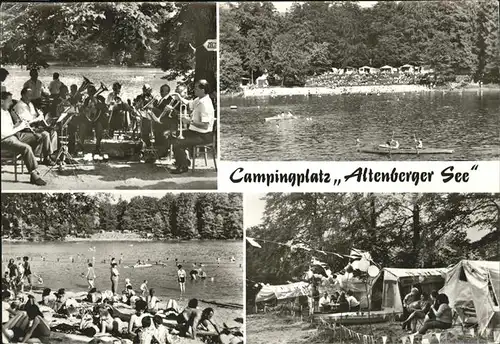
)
(264, 328)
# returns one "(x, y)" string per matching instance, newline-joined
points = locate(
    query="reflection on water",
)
(467, 122)
(227, 284)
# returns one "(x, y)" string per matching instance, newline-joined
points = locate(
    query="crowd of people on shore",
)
(331, 79)
(133, 316)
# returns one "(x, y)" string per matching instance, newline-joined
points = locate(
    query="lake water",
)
(226, 287)
(465, 121)
(132, 79)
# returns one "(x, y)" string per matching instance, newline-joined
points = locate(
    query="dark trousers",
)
(159, 129)
(191, 138)
(86, 126)
(24, 143)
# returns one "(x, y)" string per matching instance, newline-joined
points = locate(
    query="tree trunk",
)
(206, 61)
(416, 232)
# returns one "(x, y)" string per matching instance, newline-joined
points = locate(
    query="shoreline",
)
(110, 239)
(365, 89)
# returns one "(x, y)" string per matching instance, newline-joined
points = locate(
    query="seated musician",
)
(160, 110)
(58, 104)
(22, 142)
(118, 110)
(139, 102)
(3, 76)
(94, 112)
(37, 87)
(26, 111)
(200, 127)
(55, 85)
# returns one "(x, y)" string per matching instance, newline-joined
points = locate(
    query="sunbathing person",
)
(127, 294)
(110, 324)
(188, 320)
(89, 325)
(136, 319)
(7, 313)
(28, 323)
(161, 333)
(152, 301)
(145, 333)
(207, 328)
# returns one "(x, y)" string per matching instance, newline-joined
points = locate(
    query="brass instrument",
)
(98, 104)
(85, 84)
(183, 114)
(169, 108)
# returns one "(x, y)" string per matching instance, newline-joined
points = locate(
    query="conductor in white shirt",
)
(200, 128)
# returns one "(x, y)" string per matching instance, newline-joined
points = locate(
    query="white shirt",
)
(37, 88)
(25, 111)
(5, 312)
(55, 86)
(352, 301)
(7, 124)
(203, 112)
(111, 98)
(324, 300)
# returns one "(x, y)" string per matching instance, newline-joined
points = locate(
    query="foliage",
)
(399, 230)
(452, 37)
(111, 32)
(185, 216)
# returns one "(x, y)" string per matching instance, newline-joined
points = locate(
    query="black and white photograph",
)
(372, 268)
(360, 80)
(109, 95)
(122, 268)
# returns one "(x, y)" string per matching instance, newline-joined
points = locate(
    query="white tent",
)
(476, 282)
(281, 292)
(396, 282)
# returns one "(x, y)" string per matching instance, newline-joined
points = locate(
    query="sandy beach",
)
(223, 314)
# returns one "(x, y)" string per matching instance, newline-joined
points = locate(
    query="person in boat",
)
(152, 302)
(354, 304)
(394, 144)
(181, 278)
(419, 144)
(187, 321)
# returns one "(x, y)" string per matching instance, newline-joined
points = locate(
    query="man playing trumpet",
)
(24, 110)
(200, 126)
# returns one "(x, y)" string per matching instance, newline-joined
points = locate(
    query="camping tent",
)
(479, 282)
(357, 286)
(280, 292)
(397, 282)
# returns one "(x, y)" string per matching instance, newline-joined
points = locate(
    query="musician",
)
(200, 127)
(37, 87)
(75, 99)
(118, 110)
(94, 110)
(23, 142)
(55, 85)
(139, 102)
(3, 76)
(26, 111)
(59, 104)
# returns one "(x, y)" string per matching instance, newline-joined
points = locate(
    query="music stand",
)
(63, 152)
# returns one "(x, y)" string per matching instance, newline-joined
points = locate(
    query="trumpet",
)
(169, 108)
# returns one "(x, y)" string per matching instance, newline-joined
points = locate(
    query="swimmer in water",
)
(181, 278)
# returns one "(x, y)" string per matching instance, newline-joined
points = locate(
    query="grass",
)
(270, 328)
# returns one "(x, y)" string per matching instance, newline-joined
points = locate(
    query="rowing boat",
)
(137, 266)
(278, 118)
(385, 151)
